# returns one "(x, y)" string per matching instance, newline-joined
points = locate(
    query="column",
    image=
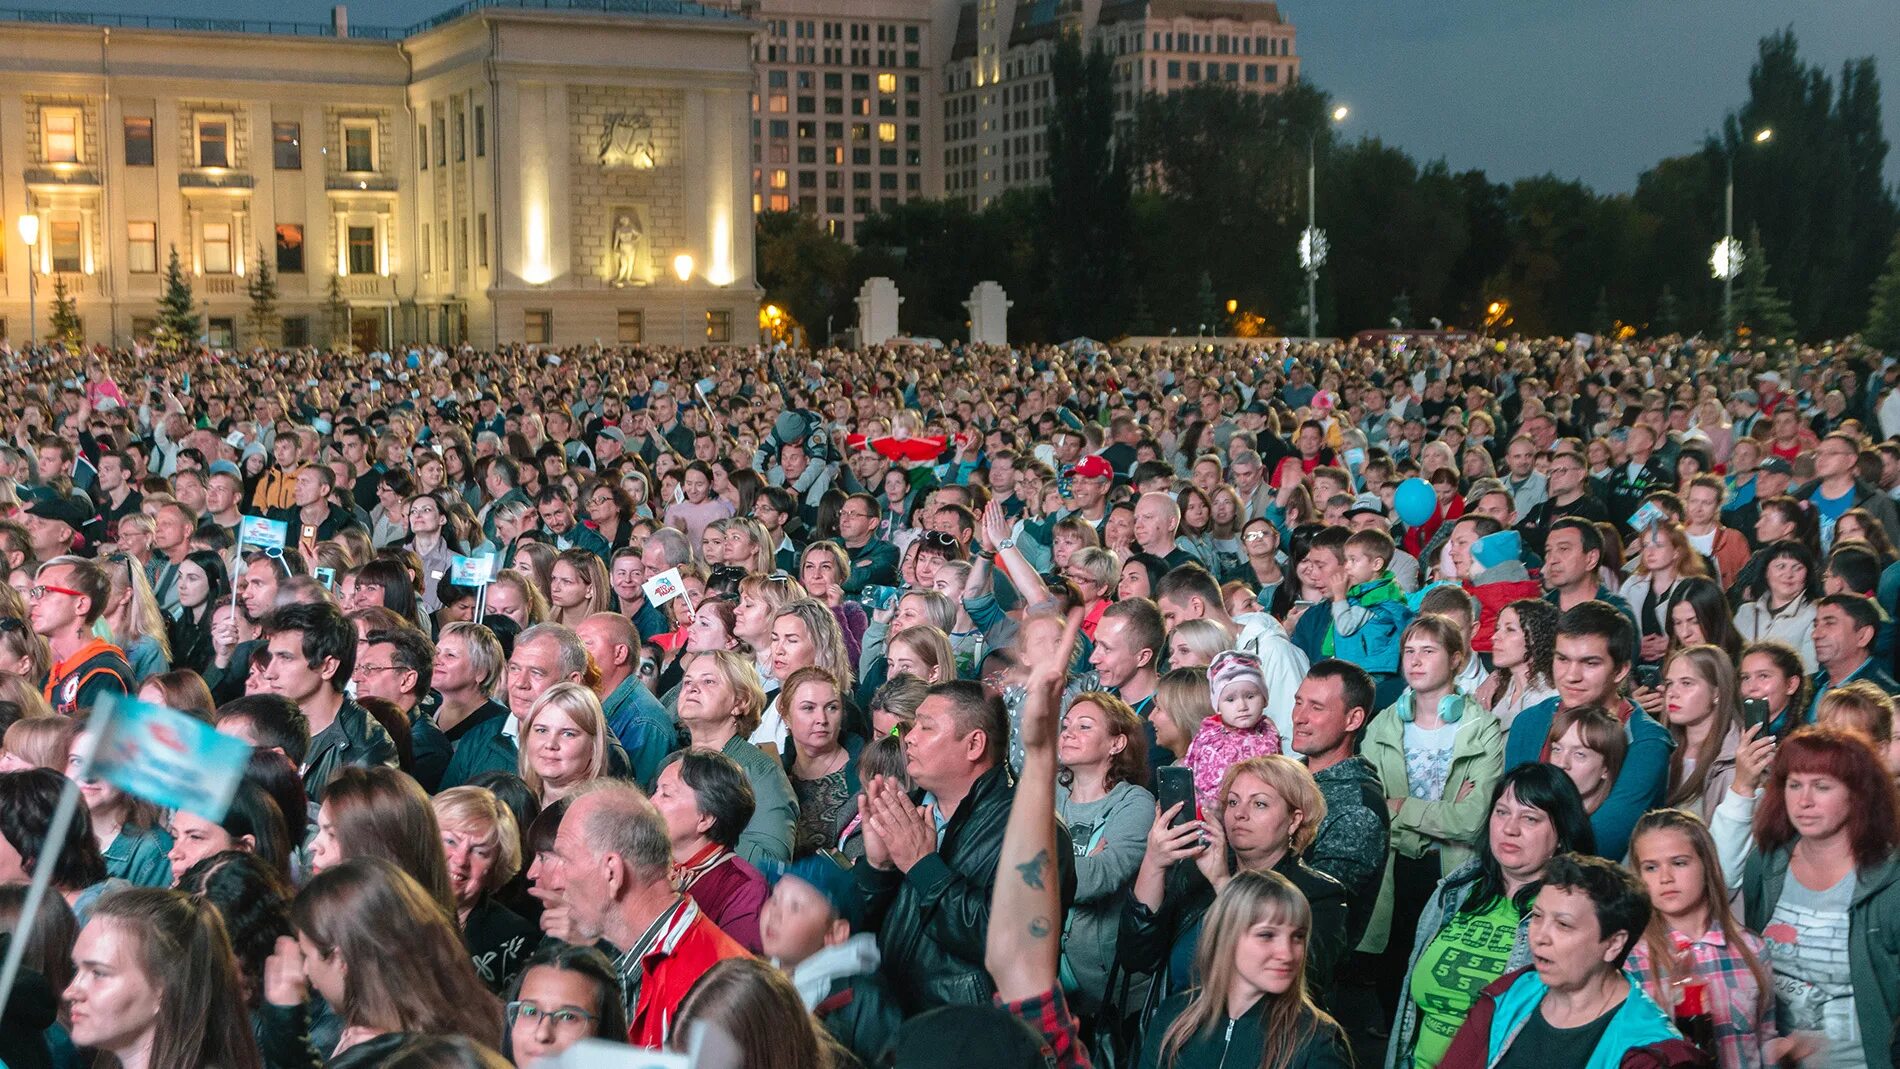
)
(342, 242)
(85, 241)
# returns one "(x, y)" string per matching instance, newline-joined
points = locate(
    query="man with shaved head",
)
(1157, 518)
(634, 715)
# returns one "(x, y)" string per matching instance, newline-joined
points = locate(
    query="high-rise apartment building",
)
(997, 84)
(843, 122)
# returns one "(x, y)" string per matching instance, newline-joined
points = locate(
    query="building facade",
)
(997, 86)
(842, 113)
(573, 172)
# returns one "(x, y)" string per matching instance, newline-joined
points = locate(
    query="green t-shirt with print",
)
(1467, 955)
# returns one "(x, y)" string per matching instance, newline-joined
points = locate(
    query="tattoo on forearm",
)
(1039, 927)
(1033, 869)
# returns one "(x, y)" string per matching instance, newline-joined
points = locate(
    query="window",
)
(778, 179)
(359, 146)
(422, 146)
(461, 137)
(441, 142)
(143, 327)
(287, 145)
(221, 332)
(461, 245)
(214, 142)
(718, 327)
(59, 134)
(138, 142)
(296, 331)
(481, 239)
(537, 326)
(632, 326)
(63, 240)
(428, 265)
(217, 248)
(290, 248)
(141, 248)
(887, 83)
(362, 250)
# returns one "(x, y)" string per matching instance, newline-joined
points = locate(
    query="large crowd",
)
(1430, 701)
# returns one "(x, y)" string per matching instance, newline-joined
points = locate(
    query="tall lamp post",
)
(1313, 239)
(30, 233)
(1726, 260)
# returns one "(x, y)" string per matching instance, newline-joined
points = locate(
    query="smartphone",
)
(1754, 712)
(326, 576)
(1175, 783)
(309, 531)
(1063, 485)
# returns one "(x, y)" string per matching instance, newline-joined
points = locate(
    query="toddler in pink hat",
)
(1239, 728)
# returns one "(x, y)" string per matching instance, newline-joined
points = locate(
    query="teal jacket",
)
(1639, 787)
(1873, 937)
(1636, 1024)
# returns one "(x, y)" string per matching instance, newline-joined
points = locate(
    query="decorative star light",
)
(1312, 248)
(1727, 258)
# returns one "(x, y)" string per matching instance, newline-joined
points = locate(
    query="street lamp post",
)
(1313, 240)
(30, 233)
(1727, 259)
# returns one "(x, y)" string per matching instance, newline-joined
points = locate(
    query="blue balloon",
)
(1414, 501)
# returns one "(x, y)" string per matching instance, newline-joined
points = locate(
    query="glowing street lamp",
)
(1725, 261)
(1312, 246)
(683, 266)
(30, 233)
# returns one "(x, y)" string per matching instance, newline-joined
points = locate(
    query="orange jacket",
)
(689, 945)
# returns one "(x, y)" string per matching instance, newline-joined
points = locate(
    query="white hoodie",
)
(1281, 662)
(853, 957)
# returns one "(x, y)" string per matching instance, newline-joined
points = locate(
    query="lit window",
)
(778, 179)
(362, 250)
(59, 129)
(141, 248)
(887, 132)
(887, 83)
(214, 143)
(217, 248)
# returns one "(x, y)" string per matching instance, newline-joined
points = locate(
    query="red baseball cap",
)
(1091, 468)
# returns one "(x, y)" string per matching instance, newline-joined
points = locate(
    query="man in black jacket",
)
(312, 655)
(930, 859)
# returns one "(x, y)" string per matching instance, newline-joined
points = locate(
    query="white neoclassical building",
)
(544, 171)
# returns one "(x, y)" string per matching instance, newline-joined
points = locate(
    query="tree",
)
(1883, 320)
(1204, 307)
(262, 289)
(67, 329)
(1401, 309)
(179, 325)
(337, 309)
(1759, 308)
(804, 271)
(1668, 313)
(1088, 194)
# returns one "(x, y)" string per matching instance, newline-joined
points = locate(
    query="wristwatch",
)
(1007, 543)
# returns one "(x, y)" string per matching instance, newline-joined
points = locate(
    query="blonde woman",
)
(1252, 1007)
(563, 742)
(578, 587)
(805, 632)
(483, 845)
(760, 599)
(924, 652)
(748, 546)
(22, 651)
(21, 691)
(132, 615)
(719, 706)
(1195, 643)
(514, 595)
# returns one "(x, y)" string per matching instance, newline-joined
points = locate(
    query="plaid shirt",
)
(1744, 1018)
(1049, 1015)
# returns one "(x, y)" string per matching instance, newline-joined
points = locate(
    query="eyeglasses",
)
(531, 1015)
(44, 589)
(376, 668)
(1253, 536)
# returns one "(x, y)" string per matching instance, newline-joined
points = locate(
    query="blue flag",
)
(167, 757)
(258, 531)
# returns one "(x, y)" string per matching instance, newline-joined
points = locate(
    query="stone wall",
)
(657, 195)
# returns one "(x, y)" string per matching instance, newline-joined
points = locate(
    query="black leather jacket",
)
(932, 921)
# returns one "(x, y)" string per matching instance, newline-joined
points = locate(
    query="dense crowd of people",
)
(1432, 702)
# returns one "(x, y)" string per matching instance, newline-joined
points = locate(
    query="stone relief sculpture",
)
(627, 141)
